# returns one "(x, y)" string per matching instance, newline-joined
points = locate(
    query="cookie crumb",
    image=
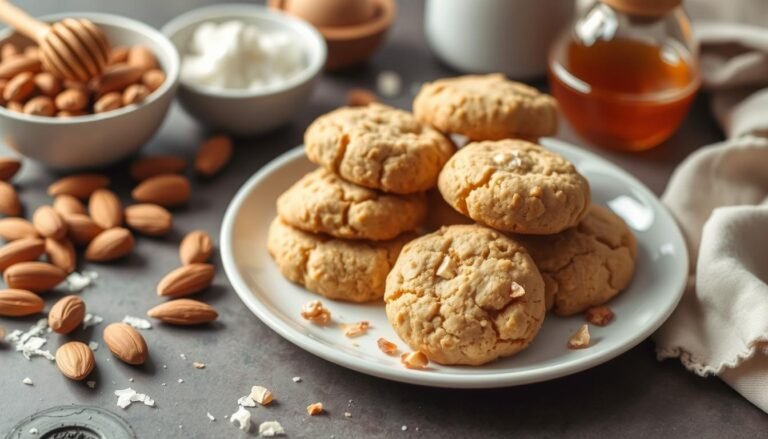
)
(296, 379)
(270, 429)
(580, 339)
(210, 416)
(198, 365)
(360, 97)
(447, 268)
(599, 315)
(404, 428)
(356, 329)
(414, 360)
(242, 418)
(27, 381)
(347, 414)
(315, 409)
(386, 346)
(262, 395)
(316, 313)
(517, 290)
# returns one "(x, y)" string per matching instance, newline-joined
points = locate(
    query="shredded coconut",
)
(137, 322)
(30, 343)
(242, 417)
(91, 320)
(27, 381)
(210, 416)
(270, 429)
(94, 345)
(246, 401)
(77, 282)
(126, 397)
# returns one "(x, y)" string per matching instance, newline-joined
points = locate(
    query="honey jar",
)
(625, 72)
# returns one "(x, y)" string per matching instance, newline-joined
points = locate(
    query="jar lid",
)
(650, 8)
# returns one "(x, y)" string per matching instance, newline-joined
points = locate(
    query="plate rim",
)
(437, 379)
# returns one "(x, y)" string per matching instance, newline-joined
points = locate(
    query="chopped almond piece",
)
(315, 409)
(360, 97)
(580, 339)
(387, 346)
(414, 360)
(316, 313)
(356, 329)
(198, 365)
(517, 290)
(261, 395)
(599, 315)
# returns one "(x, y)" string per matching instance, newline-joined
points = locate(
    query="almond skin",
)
(195, 247)
(68, 205)
(105, 208)
(8, 168)
(81, 228)
(152, 166)
(9, 200)
(21, 250)
(184, 312)
(18, 303)
(126, 343)
(33, 276)
(213, 155)
(75, 360)
(186, 280)
(12, 229)
(109, 245)
(149, 219)
(66, 314)
(167, 190)
(80, 186)
(61, 253)
(49, 223)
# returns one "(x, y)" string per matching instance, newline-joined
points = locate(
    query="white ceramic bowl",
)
(99, 139)
(246, 112)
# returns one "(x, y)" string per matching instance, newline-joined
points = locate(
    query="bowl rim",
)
(386, 12)
(314, 45)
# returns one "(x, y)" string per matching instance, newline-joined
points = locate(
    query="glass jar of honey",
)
(626, 72)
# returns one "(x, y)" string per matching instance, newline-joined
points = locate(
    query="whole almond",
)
(184, 312)
(118, 55)
(8, 51)
(47, 84)
(21, 250)
(75, 360)
(108, 102)
(153, 79)
(19, 64)
(186, 280)
(12, 229)
(152, 166)
(195, 247)
(66, 314)
(109, 245)
(9, 166)
(134, 94)
(67, 205)
(19, 303)
(40, 106)
(81, 228)
(149, 219)
(71, 99)
(61, 253)
(105, 209)
(9, 200)
(141, 57)
(49, 223)
(20, 87)
(80, 186)
(213, 155)
(117, 77)
(33, 276)
(167, 190)
(126, 343)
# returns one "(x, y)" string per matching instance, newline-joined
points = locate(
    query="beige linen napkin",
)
(719, 196)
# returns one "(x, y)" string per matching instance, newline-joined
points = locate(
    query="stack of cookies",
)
(341, 227)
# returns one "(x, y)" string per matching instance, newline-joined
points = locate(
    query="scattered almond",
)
(9, 200)
(108, 102)
(80, 186)
(183, 312)
(8, 168)
(261, 394)
(153, 79)
(149, 219)
(81, 228)
(19, 303)
(167, 190)
(61, 253)
(75, 360)
(68, 205)
(21, 250)
(47, 84)
(414, 360)
(33, 276)
(126, 343)
(49, 223)
(386, 346)
(213, 155)
(316, 313)
(66, 314)
(105, 209)
(141, 57)
(195, 247)
(186, 280)
(580, 339)
(360, 97)
(315, 409)
(71, 99)
(152, 166)
(109, 245)
(12, 229)
(599, 315)
(356, 329)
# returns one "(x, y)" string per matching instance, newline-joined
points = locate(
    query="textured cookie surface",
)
(487, 107)
(465, 294)
(587, 265)
(321, 202)
(354, 271)
(515, 186)
(378, 147)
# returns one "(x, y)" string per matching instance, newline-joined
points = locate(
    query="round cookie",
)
(515, 186)
(321, 202)
(378, 147)
(587, 265)
(354, 271)
(486, 107)
(465, 294)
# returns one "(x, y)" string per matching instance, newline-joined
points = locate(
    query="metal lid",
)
(650, 8)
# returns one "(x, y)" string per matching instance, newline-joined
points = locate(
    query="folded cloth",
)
(719, 195)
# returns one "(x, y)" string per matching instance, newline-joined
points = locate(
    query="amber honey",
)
(623, 94)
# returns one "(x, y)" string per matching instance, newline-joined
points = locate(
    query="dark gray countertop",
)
(631, 396)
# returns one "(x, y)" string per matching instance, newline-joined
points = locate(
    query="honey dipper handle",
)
(21, 21)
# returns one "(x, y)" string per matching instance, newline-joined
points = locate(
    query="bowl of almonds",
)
(65, 124)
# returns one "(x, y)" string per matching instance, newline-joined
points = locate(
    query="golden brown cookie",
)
(587, 265)
(487, 107)
(378, 147)
(515, 186)
(321, 202)
(354, 271)
(465, 294)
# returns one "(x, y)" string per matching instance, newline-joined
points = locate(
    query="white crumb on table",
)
(210, 416)
(404, 428)
(31, 343)
(271, 429)
(91, 384)
(27, 381)
(137, 322)
(389, 83)
(77, 282)
(242, 418)
(126, 397)
(180, 380)
(91, 320)
(183, 356)
(198, 365)
(347, 414)
(33, 431)
(246, 401)
(94, 345)
(296, 379)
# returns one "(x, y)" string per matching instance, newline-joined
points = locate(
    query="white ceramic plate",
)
(662, 268)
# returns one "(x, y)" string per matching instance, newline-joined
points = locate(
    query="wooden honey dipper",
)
(74, 49)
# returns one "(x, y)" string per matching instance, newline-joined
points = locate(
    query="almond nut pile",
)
(26, 87)
(86, 217)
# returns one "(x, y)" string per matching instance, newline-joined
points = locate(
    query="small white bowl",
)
(98, 139)
(247, 112)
